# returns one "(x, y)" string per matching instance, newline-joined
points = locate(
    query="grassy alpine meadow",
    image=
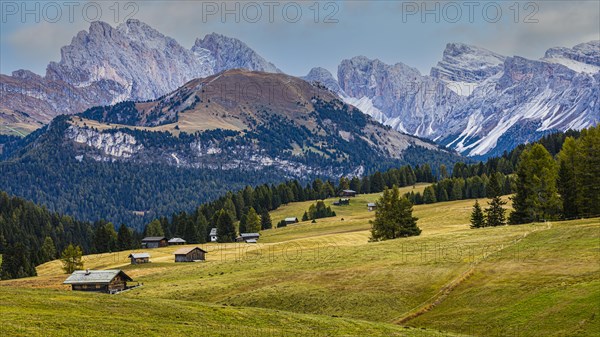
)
(327, 279)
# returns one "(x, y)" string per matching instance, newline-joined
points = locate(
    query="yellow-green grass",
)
(26, 312)
(331, 270)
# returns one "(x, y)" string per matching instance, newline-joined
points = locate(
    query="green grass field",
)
(327, 279)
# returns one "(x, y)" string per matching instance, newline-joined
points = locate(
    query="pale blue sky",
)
(393, 31)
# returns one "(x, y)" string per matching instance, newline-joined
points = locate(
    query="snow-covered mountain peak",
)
(583, 58)
(464, 66)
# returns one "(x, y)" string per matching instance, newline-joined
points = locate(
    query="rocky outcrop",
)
(111, 145)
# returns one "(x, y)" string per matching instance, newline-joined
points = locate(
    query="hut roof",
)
(139, 255)
(291, 219)
(187, 250)
(371, 204)
(213, 231)
(177, 240)
(95, 276)
(153, 238)
(249, 235)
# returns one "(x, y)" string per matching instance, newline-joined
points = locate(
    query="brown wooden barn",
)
(154, 242)
(190, 254)
(137, 258)
(348, 193)
(105, 281)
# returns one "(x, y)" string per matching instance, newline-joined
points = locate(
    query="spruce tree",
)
(225, 227)
(265, 220)
(155, 228)
(393, 217)
(202, 228)
(252, 221)
(305, 216)
(567, 182)
(537, 196)
(124, 238)
(477, 217)
(495, 213)
(242, 225)
(587, 171)
(48, 249)
(429, 195)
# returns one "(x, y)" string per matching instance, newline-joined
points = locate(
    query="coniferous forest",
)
(555, 178)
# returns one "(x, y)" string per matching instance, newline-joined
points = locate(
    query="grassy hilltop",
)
(326, 279)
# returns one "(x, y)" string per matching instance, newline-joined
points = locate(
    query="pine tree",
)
(429, 195)
(252, 221)
(587, 172)
(537, 196)
(242, 225)
(124, 238)
(48, 249)
(225, 227)
(305, 216)
(265, 220)
(202, 227)
(477, 217)
(71, 259)
(567, 182)
(495, 213)
(377, 182)
(155, 229)
(493, 188)
(393, 217)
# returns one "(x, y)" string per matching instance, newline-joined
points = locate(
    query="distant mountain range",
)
(475, 101)
(134, 161)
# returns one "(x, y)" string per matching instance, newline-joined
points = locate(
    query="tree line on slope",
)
(31, 235)
(551, 187)
(225, 212)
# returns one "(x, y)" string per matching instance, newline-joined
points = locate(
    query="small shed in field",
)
(213, 235)
(154, 242)
(190, 254)
(371, 206)
(348, 193)
(248, 237)
(105, 281)
(290, 221)
(176, 241)
(137, 258)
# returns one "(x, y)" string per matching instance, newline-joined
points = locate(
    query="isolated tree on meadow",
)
(477, 217)
(393, 217)
(71, 259)
(495, 213)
